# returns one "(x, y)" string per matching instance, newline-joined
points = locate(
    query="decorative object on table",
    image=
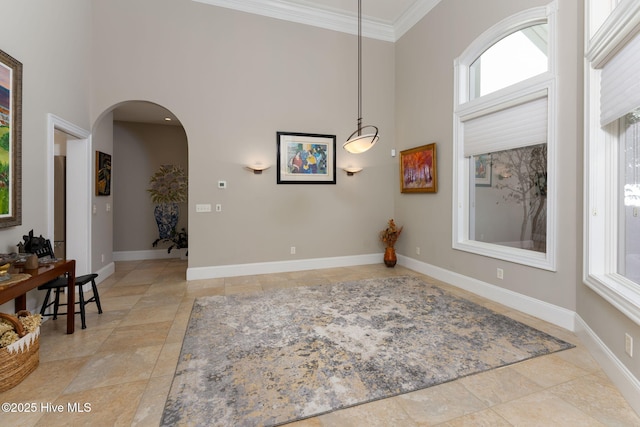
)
(103, 174)
(418, 171)
(31, 244)
(306, 158)
(287, 354)
(168, 187)
(357, 142)
(32, 262)
(10, 141)
(19, 347)
(389, 236)
(38, 246)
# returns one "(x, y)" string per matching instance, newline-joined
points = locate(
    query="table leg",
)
(20, 303)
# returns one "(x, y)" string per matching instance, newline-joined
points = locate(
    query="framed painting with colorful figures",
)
(306, 158)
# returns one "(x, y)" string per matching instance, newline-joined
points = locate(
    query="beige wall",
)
(51, 40)
(234, 80)
(140, 149)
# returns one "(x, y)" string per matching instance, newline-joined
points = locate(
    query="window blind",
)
(519, 126)
(620, 83)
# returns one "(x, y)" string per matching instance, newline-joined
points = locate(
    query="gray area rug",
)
(283, 355)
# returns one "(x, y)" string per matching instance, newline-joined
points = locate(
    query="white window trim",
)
(512, 95)
(601, 177)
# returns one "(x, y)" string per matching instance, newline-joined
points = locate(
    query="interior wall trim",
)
(331, 19)
(543, 310)
(621, 377)
(199, 273)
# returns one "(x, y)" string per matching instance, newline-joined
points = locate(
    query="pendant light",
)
(359, 142)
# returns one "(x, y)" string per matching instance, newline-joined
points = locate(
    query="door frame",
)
(79, 241)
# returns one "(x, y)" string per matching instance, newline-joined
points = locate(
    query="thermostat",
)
(222, 184)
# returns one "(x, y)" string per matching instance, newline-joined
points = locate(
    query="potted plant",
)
(389, 236)
(168, 187)
(178, 240)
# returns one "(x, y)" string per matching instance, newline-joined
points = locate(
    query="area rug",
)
(275, 357)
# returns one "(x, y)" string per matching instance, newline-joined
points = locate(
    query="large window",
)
(612, 155)
(504, 141)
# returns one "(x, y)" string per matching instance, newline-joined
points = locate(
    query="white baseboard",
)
(540, 309)
(199, 273)
(105, 272)
(148, 254)
(623, 379)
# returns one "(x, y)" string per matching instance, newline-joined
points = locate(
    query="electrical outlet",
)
(628, 344)
(500, 273)
(417, 250)
(218, 207)
(293, 250)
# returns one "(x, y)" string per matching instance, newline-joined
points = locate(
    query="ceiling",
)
(385, 20)
(144, 112)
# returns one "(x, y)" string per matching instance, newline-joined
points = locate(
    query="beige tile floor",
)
(122, 365)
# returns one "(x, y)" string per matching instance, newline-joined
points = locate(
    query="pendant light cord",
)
(359, 67)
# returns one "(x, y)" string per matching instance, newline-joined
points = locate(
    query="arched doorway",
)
(141, 136)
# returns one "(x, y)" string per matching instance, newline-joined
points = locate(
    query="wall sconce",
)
(257, 168)
(351, 170)
(506, 173)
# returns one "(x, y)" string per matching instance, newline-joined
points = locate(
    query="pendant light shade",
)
(359, 142)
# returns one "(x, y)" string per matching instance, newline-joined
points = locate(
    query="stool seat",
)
(59, 285)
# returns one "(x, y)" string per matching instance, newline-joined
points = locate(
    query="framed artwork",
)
(418, 170)
(103, 174)
(483, 170)
(10, 141)
(306, 158)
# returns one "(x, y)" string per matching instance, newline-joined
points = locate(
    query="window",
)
(612, 179)
(504, 141)
(629, 198)
(515, 58)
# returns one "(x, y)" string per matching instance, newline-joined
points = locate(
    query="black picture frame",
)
(103, 174)
(306, 158)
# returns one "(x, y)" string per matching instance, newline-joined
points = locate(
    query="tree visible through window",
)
(504, 143)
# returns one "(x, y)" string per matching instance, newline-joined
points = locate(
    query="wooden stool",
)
(59, 285)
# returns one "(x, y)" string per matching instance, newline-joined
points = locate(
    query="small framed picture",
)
(103, 174)
(306, 158)
(418, 170)
(483, 170)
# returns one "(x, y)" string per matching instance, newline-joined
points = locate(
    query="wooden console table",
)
(43, 274)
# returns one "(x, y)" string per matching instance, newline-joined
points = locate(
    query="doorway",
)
(70, 145)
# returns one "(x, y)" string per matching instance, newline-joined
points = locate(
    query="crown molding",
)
(331, 19)
(412, 16)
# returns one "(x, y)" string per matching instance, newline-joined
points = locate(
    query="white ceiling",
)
(385, 20)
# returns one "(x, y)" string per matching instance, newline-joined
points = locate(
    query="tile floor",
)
(122, 365)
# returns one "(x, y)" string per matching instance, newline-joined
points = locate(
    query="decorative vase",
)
(390, 257)
(166, 215)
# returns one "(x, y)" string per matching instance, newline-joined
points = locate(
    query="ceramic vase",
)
(390, 257)
(166, 215)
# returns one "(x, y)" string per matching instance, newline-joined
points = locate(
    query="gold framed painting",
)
(418, 170)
